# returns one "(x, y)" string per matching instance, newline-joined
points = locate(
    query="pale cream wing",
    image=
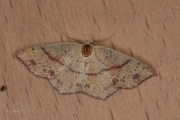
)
(95, 83)
(123, 71)
(48, 60)
(70, 78)
(60, 63)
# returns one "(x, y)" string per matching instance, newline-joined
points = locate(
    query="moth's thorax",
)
(86, 49)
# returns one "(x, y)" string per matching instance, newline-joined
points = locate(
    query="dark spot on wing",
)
(114, 81)
(78, 85)
(136, 76)
(32, 62)
(87, 86)
(60, 82)
(51, 72)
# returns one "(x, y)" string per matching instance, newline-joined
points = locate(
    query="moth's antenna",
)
(102, 40)
(94, 41)
(67, 36)
(73, 39)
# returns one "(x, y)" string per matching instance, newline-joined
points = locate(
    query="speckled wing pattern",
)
(98, 75)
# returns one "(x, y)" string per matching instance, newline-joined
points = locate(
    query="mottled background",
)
(148, 30)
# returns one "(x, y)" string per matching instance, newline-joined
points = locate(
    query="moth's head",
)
(87, 48)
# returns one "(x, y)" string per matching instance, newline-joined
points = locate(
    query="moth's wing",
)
(123, 71)
(70, 78)
(94, 83)
(97, 86)
(108, 69)
(49, 60)
(60, 63)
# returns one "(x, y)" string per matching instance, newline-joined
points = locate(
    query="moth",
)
(73, 67)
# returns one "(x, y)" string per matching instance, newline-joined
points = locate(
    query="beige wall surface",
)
(147, 30)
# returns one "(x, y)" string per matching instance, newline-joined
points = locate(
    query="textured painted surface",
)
(147, 30)
(98, 74)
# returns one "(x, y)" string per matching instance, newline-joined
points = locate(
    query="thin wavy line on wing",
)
(57, 60)
(66, 64)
